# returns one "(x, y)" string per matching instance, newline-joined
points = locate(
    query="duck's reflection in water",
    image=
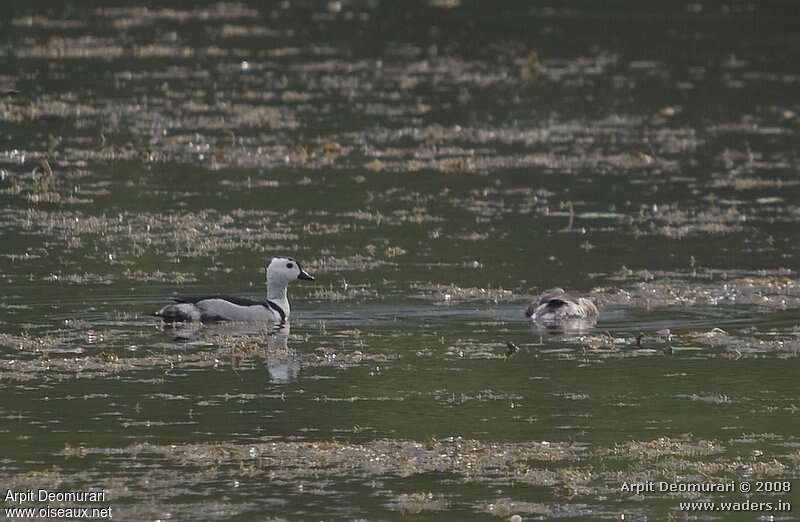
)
(184, 331)
(564, 326)
(197, 331)
(283, 363)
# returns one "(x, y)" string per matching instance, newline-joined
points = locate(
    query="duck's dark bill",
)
(305, 275)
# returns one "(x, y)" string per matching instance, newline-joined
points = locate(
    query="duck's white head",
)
(286, 269)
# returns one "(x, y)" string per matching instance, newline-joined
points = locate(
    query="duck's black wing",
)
(194, 299)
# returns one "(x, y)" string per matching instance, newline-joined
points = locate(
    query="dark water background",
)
(435, 165)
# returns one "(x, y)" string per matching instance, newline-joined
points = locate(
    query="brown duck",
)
(555, 306)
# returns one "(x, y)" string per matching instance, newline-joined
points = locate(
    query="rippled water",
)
(435, 165)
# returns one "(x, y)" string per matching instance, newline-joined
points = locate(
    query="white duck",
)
(274, 309)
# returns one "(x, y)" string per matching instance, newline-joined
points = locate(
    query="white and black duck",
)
(274, 309)
(556, 306)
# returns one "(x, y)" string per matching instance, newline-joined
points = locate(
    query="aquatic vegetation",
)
(415, 503)
(30, 343)
(344, 292)
(356, 262)
(450, 294)
(286, 460)
(309, 465)
(704, 288)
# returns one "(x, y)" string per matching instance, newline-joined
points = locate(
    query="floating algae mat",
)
(435, 165)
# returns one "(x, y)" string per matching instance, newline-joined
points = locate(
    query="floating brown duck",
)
(555, 306)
